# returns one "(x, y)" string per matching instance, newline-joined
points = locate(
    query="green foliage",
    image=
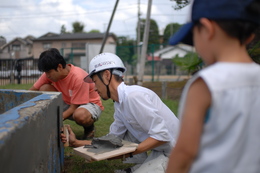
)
(180, 4)
(126, 50)
(153, 33)
(78, 27)
(94, 31)
(170, 29)
(254, 52)
(63, 30)
(190, 62)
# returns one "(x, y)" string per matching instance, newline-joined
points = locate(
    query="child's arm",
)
(187, 146)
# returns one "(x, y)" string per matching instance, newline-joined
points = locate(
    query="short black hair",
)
(50, 59)
(240, 29)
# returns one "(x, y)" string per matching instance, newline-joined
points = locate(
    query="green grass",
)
(16, 86)
(77, 164)
(172, 104)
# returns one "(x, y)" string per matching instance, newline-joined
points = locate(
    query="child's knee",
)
(83, 116)
(47, 87)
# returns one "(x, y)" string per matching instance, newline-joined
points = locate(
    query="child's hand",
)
(72, 137)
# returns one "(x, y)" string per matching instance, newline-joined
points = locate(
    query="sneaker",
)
(89, 132)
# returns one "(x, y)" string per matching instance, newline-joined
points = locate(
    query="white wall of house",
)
(171, 51)
(93, 50)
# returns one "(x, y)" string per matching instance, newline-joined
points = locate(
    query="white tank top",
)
(230, 142)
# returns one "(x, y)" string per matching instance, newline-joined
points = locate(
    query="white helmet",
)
(105, 61)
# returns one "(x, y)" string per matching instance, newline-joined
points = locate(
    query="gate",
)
(19, 71)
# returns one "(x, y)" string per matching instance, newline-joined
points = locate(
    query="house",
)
(170, 52)
(18, 48)
(2, 41)
(163, 57)
(71, 45)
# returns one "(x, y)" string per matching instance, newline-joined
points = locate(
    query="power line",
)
(54, 15)
(71, 13)
(36, 15)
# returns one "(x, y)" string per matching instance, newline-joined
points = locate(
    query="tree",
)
(254, 47)
(153, 34)
(94, 31)
(126, 50)
(190, 62)
(63, 29)
(78, 27)
(180, 4)
(169, 31)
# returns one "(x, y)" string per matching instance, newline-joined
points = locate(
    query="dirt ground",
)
(167, 90)
(165, 86)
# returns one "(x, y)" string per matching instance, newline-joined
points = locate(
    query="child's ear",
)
(60, 67)
(208, 25)
(249, 39)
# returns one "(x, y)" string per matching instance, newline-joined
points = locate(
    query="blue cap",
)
(215, 10)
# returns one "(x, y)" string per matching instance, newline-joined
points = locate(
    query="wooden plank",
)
(127, 147)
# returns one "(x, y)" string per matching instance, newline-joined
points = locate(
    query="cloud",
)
(37, 17)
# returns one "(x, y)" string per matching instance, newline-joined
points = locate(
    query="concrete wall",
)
(30, 131)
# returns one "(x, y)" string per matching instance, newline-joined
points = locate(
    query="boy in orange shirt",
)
(81, 102)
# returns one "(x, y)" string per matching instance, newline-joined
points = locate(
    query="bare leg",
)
(47, 87)
(84, 118)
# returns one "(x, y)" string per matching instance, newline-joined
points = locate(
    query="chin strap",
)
(107, 85)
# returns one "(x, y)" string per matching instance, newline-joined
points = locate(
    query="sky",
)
(20, 18)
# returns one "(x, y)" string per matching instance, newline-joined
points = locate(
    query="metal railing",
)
(19, 71)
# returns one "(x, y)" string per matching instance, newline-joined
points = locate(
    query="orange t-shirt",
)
(73, 88)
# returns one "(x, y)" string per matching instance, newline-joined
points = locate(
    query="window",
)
(46, 45)
(78, 45)
(16, 47)
(63, 45)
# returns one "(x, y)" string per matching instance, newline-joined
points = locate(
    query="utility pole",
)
(138, 39)
(145, 43)
(108, 28)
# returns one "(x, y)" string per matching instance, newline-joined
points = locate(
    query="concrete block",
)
(30, 125)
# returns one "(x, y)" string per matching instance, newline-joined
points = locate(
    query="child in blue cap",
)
(220, 105)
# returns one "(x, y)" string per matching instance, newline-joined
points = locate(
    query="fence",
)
(167, 90)
(19, 71)
(25, 71)
(154, 66)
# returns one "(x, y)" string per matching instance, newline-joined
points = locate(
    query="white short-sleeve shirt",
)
(230, 140)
